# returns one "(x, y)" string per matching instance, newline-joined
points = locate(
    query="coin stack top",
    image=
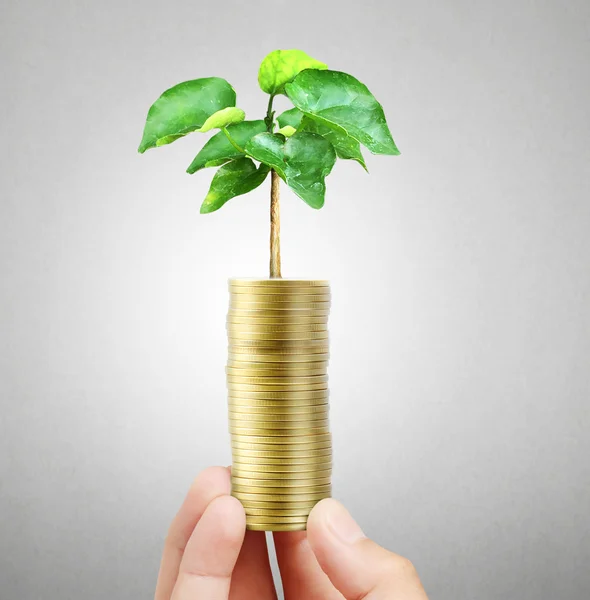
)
(278, 399)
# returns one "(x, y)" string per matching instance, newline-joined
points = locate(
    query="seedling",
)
(333, 114)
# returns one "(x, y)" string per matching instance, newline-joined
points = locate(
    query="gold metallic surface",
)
(266, 432)
(275, 526)
(277, 381)
(239, 444)
(296, 476)
(281, 497)
(291, 440)
(272, 358)
(261, 467)
(283, 282)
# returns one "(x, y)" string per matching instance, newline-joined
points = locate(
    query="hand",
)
(208, 554)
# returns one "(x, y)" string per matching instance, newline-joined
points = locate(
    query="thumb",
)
(357, 566)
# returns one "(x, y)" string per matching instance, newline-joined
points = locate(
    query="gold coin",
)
(280, 297)
(258, 433)
(295, 439)
(256, 467)
(274, 341)
(325, 475)
(277, 289)
(279, 367)
(273, 512)
(300, 484)
(279, 414)
(291, 308)
(281, 490)
(239, 318)
(287, 380)
(280, 497)
(281, 314)
(277, 336)
(279, 372)
(287, 365)
(278, 420)
(278, 355)
(276, 519)
(238, 444)
(278, 425)
(324, 453)
(276, 527)
(244, 328)
(317, 462)
(282, 282)
(281, 358)
(249, 405)
(310, 411)
(278, 347)
(281, 483)
(284, 396)
(276, 505)
(308, 387)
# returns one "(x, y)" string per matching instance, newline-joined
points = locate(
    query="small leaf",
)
(287, 130)
(303, 161)
(346, 147)
(235, 178)
(218, 150)
(282, 66)
(184, 108)
(291, 117)
(343, 103)
(222, 118)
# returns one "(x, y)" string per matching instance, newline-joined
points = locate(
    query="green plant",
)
(333, 115)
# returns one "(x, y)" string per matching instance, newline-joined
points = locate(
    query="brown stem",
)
(275, 226)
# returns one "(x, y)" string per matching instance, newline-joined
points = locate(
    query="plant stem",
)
(232, 141)
(275, 226)
(275, 209)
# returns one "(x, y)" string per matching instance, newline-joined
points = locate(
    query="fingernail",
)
(342, 525)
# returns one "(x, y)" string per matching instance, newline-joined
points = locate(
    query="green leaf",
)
(343, 103)
(346, 147)
(237, 177)
(185, 108)
(303, 161)
(223, 118)
(287, 130)
(291, 118)
(218, 150)
(282, 66)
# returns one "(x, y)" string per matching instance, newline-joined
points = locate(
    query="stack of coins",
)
(278, 399)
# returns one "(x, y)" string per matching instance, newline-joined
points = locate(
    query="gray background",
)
(460, 328)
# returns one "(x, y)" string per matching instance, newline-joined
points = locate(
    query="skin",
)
(208, 554)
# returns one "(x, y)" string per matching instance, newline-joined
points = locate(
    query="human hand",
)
(208, 554)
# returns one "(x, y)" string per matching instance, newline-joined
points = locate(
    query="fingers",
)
(211, 552)
(252, 577)
(301, 574)
(356, 566)
(210, 484)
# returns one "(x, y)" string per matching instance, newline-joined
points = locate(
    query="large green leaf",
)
(282, 66)
(235, 178)
(343, 103)
(218, 150)
(303, 161)
(223, 118)
(346, 147)
(184, 108)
